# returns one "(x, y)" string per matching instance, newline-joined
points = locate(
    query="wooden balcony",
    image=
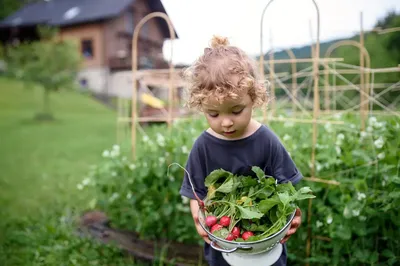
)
(116, 63)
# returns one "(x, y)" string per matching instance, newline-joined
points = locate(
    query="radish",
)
(211, 220)
(216, 227)
(236, 231)
(225, 221)
(246, 235)
(230, 237)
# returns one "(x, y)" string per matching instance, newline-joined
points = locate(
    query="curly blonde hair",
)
(223, 71)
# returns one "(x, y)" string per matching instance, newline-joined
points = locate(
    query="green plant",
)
(50, 63)
(358, 219)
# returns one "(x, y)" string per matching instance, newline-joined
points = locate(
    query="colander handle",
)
(213, 245)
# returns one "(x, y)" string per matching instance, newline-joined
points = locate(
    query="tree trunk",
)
(46, 102)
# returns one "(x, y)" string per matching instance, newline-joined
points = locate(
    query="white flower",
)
(79, 186)
(319, 166)
(171, 178)
(113, 173)
(113, 197)
(329, 219)
(116, 147)
(356, 213)
(86, 181)
(346, 212)
(352, 126)
(114, 153)
(328, 127)
(379, 143)
(319, 224)
(161, 160)
(185, 200)
(338, 150)
(145, 138)
(381, 156)
(372, 120)
(379, 124)
(286, 137)
(361, 196)
(160, 140)
(383, 183)
(362, 218)
(363, 134)
(185, 149)
(369, 129)
(132, 166)
(129, 195)
(106, 153)
(339, 139)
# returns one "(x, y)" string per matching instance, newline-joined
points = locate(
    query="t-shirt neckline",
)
(224, 141)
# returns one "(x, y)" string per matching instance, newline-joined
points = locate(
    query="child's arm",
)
(194, 207)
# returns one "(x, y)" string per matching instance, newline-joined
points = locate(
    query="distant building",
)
(104, 29)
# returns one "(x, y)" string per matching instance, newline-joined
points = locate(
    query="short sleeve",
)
(282, 165)
(195, 166)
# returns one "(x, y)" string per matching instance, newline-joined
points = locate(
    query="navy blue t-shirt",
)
(263, 149)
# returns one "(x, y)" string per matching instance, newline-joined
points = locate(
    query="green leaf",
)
(227, 186)
(214, 176)
(222, 233)
(284, 198)
(286, 187)
(265, 205)
(247, 213)
(259, 172)
(248, 181)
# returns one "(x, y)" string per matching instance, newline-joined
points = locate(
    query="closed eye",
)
(213, 114)
(237, 112)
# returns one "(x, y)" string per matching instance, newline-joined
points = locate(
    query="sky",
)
(287, 23)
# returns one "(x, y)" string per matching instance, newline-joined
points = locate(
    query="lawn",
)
(41, 164)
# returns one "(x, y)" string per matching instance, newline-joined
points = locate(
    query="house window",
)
(87, 49)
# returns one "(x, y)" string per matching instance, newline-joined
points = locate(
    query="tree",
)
(50, 62)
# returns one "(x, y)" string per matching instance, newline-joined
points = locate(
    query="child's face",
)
(231, 117)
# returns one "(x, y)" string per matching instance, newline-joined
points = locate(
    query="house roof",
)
(62, 13)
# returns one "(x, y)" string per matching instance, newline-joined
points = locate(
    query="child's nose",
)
(226, 122)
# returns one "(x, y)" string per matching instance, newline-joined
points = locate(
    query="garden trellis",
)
(312, 101)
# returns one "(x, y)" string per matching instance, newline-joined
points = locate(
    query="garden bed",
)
(96, 225)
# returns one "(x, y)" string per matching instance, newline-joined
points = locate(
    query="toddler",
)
(223, 85)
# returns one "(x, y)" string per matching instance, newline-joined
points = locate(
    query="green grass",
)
(41, 164)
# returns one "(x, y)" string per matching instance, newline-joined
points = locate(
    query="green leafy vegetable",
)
(257, 205)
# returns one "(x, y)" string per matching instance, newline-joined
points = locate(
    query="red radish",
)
(211, 220)
(247, 234)
(225, 221)
(216, 227)
(230, 237)
(236, 231)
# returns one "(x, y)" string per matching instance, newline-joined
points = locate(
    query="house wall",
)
(93, 32)
(95, 71)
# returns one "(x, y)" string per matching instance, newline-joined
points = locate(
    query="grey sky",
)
(288, 21)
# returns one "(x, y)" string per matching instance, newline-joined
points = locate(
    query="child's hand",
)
(201, 231)
(194, 207)
(293, 226)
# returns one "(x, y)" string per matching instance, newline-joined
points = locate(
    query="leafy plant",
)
(257, 205)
